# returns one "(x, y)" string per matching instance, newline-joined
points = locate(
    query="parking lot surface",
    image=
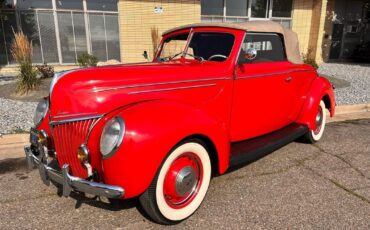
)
(325, 186)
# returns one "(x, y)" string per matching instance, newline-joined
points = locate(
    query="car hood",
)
(97, 91)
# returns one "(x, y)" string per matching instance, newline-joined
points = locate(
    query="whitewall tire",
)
(180, 185)
(315, 135)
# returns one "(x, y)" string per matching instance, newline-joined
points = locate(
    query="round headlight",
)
(112, 136)
(40, 112)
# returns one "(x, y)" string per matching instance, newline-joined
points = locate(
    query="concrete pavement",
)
(321, 186)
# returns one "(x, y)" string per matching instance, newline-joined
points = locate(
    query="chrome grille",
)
(68, 136)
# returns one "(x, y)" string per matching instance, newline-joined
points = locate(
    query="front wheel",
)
(180, 184)
(313, 136)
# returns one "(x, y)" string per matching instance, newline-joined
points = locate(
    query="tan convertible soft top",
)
(290, 37)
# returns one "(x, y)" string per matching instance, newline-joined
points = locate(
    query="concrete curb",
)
(358, 108)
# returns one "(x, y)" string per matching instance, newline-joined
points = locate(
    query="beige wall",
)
(137, 17)
(302, 19)
(311, 21)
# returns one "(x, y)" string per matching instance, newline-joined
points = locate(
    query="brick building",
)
(111, 29)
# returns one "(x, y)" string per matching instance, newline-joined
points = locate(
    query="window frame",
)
(281, 38)
(55, 10)
(227, 18)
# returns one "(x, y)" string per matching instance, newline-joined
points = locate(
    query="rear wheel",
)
(180, 184)
(313, 136)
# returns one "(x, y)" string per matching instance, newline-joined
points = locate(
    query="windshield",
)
(211, 46)
(173, 47)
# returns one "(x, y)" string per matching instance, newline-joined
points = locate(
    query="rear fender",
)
(152, 129)
(321, 89)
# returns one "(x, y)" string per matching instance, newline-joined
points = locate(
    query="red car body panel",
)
(165, 103)
(321, 88)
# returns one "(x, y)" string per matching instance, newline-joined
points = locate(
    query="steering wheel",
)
(216, 56)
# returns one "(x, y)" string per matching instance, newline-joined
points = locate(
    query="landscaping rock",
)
(358, 76)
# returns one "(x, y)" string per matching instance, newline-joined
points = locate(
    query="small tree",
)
(87, 60)
(21, 50)
(155, 39)
(308, 59)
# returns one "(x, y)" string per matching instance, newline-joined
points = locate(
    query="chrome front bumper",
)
(69, 182)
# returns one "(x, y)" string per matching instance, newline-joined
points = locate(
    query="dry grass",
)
(21, 48)
(21, 51)
(155, 39)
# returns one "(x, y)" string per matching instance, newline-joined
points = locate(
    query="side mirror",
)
(145, 54)
(251, 54)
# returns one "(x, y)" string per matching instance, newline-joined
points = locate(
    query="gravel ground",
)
(358, 75)
(16, 116)
(7, 79)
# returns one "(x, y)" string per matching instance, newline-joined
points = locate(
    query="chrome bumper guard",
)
(69, 182)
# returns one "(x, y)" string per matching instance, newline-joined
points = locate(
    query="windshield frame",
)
(161, 45)
(191, 32)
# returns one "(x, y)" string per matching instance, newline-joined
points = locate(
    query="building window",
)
(60, 30)
(29, 26)
(243, 10)
(72, 35)
(34, 4)
(237, 8)
(102, 5)
(8, 24)
(282, 8)
(259, 9)
(69, 4)
(212, 7)
(8, 4)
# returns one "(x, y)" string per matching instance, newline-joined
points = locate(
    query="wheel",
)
(180, 185)
(313, 136)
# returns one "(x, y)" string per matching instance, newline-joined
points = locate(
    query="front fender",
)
(152, 129)
(321, 89)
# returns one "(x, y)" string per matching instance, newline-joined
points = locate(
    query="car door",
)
(262, 96)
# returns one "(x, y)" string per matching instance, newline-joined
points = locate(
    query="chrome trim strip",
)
(159, 83)
(75, 119)
(169, 89)
(91, 128)
(73, 115)
(268, 74)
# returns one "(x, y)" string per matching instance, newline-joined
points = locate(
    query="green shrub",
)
(309, 60)
(21, 50)
(87, 60)
(27, 78)
(46, 70)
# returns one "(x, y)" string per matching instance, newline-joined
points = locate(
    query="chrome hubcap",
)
(319, 120)
(185, 181)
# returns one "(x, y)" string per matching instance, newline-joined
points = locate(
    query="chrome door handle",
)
(288, 79)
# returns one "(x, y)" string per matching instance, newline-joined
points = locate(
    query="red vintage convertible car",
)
(215, 96)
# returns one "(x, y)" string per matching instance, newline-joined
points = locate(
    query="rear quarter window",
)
(269, 48)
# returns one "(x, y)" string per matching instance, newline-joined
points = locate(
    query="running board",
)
(248, 151)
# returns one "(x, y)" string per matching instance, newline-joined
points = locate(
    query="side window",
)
(268, 48)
